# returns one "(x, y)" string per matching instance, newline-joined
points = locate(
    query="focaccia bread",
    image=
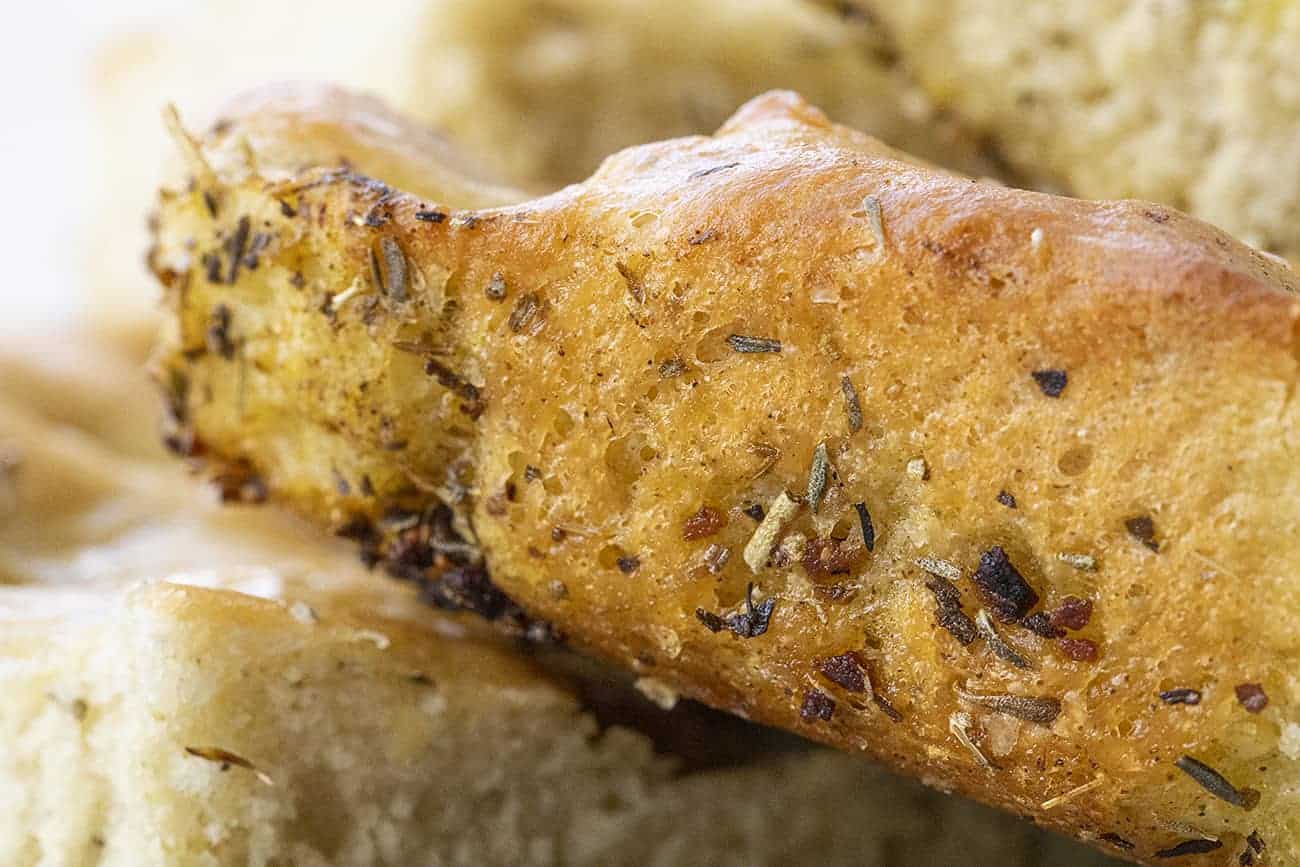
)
(260, 700)
(1196, 105)
(996, 486)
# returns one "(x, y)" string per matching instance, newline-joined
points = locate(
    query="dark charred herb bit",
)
(453, 382)
(211, 267)
(845, 671)
(948, 612)
(817, 705)
(287, 210)
(496, 287)
(703, 523)
(1000, 648)
(1118, 842)
(1051, 381)
(1040, 623)
(1006, 499)
(1251, 696)
(827, 556)
(1254, 846)
(235, 247)
(1073, 613)
(755, 511)
(711, 621)
(628, 564)
(210, 201)
(425, 215)
(671, 368)
(1213, 782)
(852, 406)
(703, 173)
(741, 343)
(1036, 709)
(754, 620)
(701, 237)
(388, 267)
(1189, 847)
(468, 588)
(1181, 695)
(217, 754)
(864, 522)
(818, 477)
(1002, 587)
(1079, 649)
(1143, 529)
(218, 336)
(524, 313)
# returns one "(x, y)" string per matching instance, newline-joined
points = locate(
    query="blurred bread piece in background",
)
(1192, 104)
(546, 90)
(535, 91)
(294, 709)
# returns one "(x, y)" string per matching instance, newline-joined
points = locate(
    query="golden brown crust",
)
(1122, 373)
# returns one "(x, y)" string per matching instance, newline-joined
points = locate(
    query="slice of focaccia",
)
(997, 486)
(296, 711)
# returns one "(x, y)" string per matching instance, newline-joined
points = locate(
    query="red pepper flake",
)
(1073, 613)
(1051, 381)
(1181, 695)
(1078, 649)
(845, 671)
(1002, 587)
(1189, 847)
(1142, 528)
(703, 523)
(817, 705)
(825, 557)
(1252, 697)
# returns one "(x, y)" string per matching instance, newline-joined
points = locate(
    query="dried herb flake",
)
(1051, 381)
(1216, 784)
(1002, 587)
(1181, 695)
(741, 343)
(852, 407)
(948, 612)
(818, 476)
(1143, 529)
(864, 522)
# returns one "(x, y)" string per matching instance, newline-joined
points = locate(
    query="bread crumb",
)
(657, 691)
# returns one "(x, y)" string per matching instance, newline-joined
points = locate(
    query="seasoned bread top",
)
(1077, 415)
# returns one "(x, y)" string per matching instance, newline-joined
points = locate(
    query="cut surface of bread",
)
(971, 479)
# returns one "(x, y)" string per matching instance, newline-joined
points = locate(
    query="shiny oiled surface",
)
(606, 407)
